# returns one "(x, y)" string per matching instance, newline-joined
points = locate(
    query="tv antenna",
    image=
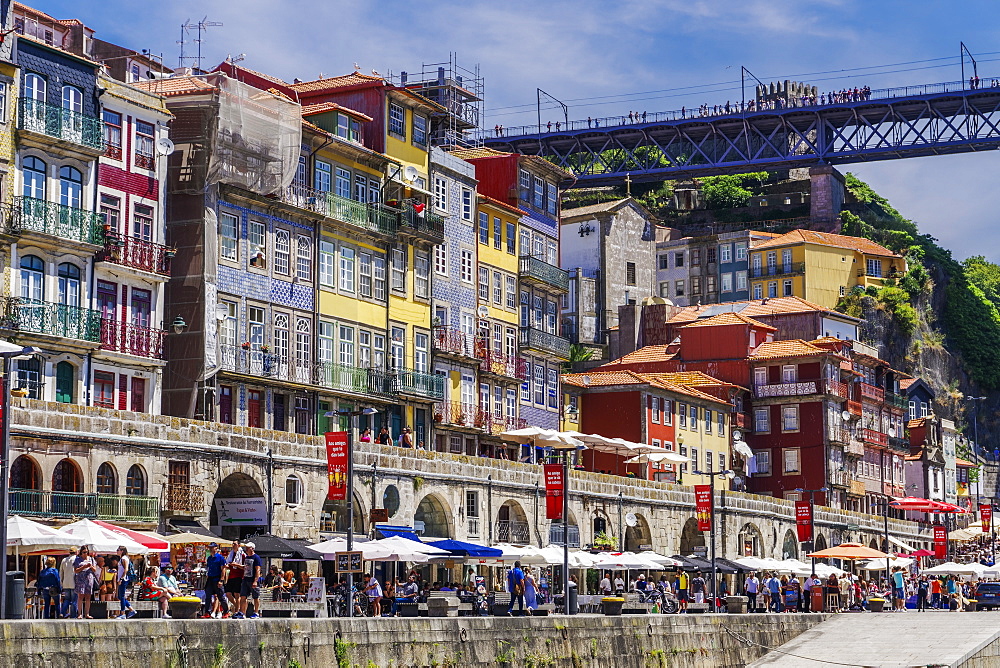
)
(201, 26)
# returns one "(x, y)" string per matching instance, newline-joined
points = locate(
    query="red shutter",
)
(122, 392)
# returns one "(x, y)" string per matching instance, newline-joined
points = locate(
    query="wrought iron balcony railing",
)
(872, 392)
(71, 322)
(874, 436)
(788, 269)
(179, 497)
(536, 339)
(416, 383)
(461, 414)
(897, 400)
(518, 533)
(500, 364)
(535, 270)
(425, 224)
(372, 217)
(454, 342)
(110, 507)
(239, 359)
(57, 220)
(137, 253)
(124, 337)
(61, 123)
(372, 382)
(557, 531)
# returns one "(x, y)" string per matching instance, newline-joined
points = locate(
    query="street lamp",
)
(711, 513)
(350, 490)
(8, 351)
(812, 517)
(565, 448)
(976, 447)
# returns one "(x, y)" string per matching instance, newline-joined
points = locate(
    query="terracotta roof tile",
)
(754, 308)
(323, 107)
(658, 353)
(502, 205)
(176, 86)
(964, 463)
(729, 318)
(660, 381)
(592, 208)
(331, 83)
(603, 378)
(241, 68)
(919, 422)
(905, 383)
(788, 348)
(861, 244)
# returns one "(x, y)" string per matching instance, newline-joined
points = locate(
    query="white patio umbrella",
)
(951, 568)
(100, 539)
(583, 559)
(369, 552)
(879, 564)
(189, 538)
(659, 558)
(23, 536)
(657, 457)
(404, 549)
(628, 561)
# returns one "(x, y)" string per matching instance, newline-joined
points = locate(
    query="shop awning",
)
(402, 532)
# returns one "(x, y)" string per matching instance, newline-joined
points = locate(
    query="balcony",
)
(108, 507)
(497, 363)
(739, 420)
(533, 270)
(371, 217)
(448, 341)
(123, 337)
(458, 414)
(543, 342)
(140, 254)
(498, 424)
(62, 320)
(56, 220)
(854, 407)
(419, 384)
(900, 445)
(856, 488)
(874, 437)
(787, 269)
(343, 378)
(836, 387)
(855, 448)
(557, 531)
(425, 224)
(897, 400)
(472, 527)
(184, 498)
(518, 533)
(837, 477)
(787, 389)
(872, 393)
(61, 124)
(265, 364)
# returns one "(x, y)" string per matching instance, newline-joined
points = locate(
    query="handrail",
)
(58, 220)
(61, 123)
(71, 322)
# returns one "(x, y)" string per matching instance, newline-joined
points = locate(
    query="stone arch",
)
(750, 541)
(873, 543)
(691, 537)
(25, 483)
(601, 523)
(334, 517)
(637, 536)
(790, 546)
(67, 485)
(107, 478)
(512, 524)
(434, 513)
(236, 485)
(821, 543)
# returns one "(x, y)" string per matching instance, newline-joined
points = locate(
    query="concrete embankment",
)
(608, 642)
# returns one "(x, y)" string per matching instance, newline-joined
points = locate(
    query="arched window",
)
(65, 382)
(294, 490)
(600, 525)
(69, 284)
(24, 474)
(34, 87)
(107, 479)
(70, 187)
(135, 481)
(66, 477)
(32, 278)
(33, 173)
(72, 99)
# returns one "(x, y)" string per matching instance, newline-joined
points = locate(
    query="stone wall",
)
(657, 641)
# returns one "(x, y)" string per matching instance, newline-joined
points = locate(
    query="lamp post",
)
(352, 415)
(711, 481)
(565, 449)
(8, 352)
(975, 448)
(812, 517)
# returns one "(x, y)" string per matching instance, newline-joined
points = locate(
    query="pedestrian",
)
(126, 578)
(811, 581)
(405, 440)
(922, 593)
(549, 126)
(234, 574)
(682, 581)
(170, 586)
(530, 591)
(605, 584)
(366, 435)
(773, 585)
(751, 586)
(48, 585)
(85, 571)
(215, 564)
(151, 590)
(619, 585)
(558, 124)
(898, 594)
(253, 567)
(384, 438)
(644, 117)
(589, 122)
(935, 593)
(698, 587)
(67, 578)
(793, 595)
(374, 591)
(515, 585)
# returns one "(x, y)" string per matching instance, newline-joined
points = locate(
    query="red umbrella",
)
(141, 538)
(913, 503)
(941, 507)
(922, 553)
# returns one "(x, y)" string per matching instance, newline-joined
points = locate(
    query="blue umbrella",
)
(467, 549)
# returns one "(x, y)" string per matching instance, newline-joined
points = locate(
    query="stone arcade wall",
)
(430, 485)
(658, 641)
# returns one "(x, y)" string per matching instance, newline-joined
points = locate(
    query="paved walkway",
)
(888, 640)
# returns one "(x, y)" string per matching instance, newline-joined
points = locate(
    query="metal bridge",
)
(906, 122)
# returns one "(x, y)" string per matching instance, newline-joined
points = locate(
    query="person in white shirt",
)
(619, 584)
(811, 581)
(605, 585)
(752, 587)
(67, 578)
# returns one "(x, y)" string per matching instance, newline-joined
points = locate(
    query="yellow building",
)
(819, 267)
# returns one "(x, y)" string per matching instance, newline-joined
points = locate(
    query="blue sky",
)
(594, 53)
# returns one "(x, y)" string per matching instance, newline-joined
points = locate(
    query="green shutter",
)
(64, 382)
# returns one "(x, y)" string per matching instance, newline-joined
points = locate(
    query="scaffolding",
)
(457, 89)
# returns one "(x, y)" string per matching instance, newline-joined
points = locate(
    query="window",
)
(874, 267)
(144, 139)
(790, 457)
(708, 421)
(763, 461)
(668, 412)
(654, 406)
(696, 285)
(710, 255)
(107, 481)
(345, 348)
(378, 276)
(524, 180)
(497, 233)
(281, 336)
(343, 126)
(441, 259)
(343, 183)
(420, 130)
(347, 267)
(440, 192)
(303, 258)
(741, 250)
(466, 266)
(665, 289)
(789, 373)
(551, 388)
(539, 199)
(727, 282)
(511, 293)
(682, 415)
(630, 273)
(693, 415)
(255, 321)
(112, 134)
(397, 347)
(420, 355)
(282, 251)
(70, 187)
(466, 204)
(360, 188)
(786, 288)
(725, 253)
(710, 284)
(511, 238)
(679, 259)
(539, 383)
(111, 210)
(552, 197)
(256, 231)
(497, 288)
(72, 99)
(484, 284)
(421, 274)
(326, 339)
(741, 280)
(484, 228)
(772, 289)
(790, 418)
(663, 261)
(135, 481)
(761, 420)
(397, 121)
(679, 288)
(398, 269)
(294, 491)
(709, 460)
(758, 290)
(696, 257)
(760, 376)
(694, 459)
(104, 389)
(327, 263)
(722, 426)
(34, 88)
(227, 328)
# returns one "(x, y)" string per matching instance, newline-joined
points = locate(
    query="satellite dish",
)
(484, 312)
(631, 520)
(737, 435)
(164, 146)
(410, 174)
(846, 415)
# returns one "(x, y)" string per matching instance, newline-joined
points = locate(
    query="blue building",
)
(734, 263)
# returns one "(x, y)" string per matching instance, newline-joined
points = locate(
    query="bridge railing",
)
(700, 112)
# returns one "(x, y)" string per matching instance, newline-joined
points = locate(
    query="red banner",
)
(804, 520)
(336, 465)
(703, 506)
(986, 516)
(554, 491)
(940, 542)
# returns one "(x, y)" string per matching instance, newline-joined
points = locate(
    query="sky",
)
(609, 57)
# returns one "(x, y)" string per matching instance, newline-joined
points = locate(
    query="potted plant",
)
(602, 541)
(170, 253)
(264, 348)
(460, 419)
(245, 345)
(438, 417)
